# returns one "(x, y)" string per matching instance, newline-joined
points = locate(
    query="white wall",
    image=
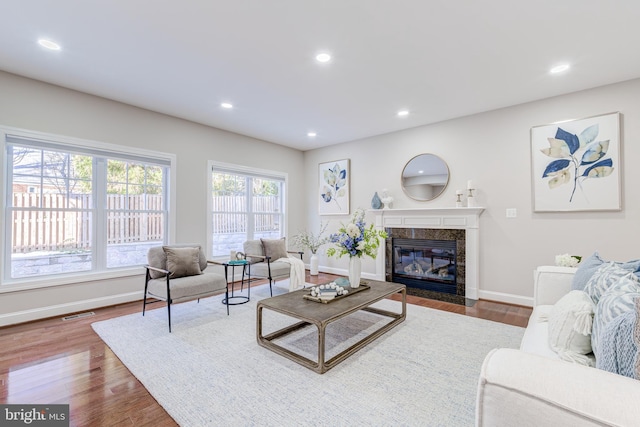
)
(38, 106)
(493, 149)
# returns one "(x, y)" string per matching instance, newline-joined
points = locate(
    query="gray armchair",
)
(263, 254)
(176, 274)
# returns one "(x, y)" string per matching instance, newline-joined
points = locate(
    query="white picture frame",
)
(333, 187)
(576, 165)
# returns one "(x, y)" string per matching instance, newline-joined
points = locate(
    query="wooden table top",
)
(294, 304)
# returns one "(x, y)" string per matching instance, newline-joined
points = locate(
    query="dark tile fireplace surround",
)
(421, 284)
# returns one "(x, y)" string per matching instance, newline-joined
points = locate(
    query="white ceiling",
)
(440, 59)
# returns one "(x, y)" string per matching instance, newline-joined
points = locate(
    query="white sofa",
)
(533, 387)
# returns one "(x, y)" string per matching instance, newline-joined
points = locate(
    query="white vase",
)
(313, 265)
(355, 268)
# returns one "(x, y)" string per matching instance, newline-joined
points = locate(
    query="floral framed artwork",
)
(576, 165)
(333, 194)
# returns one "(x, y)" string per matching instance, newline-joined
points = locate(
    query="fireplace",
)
(425, 264)
(461, 225)
(431, 262)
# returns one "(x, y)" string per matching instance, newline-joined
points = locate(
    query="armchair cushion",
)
(182, 262)
(253, 247)
(188, 287)
(157, 258)
(278, 269)
(275, 249)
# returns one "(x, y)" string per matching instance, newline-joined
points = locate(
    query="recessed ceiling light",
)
(420, 171)
(226, 105)
(49, 44)
(559, 68)
(403, 112)
(323, 57)
(311, 134)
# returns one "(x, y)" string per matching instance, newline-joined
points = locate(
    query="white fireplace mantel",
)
(467, 219)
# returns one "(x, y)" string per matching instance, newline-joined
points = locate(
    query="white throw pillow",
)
(570, 323)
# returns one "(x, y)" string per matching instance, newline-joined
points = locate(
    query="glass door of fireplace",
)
(426, 264)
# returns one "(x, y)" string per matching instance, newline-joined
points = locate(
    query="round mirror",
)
(425, 177)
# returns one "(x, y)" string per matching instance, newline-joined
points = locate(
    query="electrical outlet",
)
(512, 213)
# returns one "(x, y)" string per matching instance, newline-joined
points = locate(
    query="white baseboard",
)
(72, 307)
(339, 271)
(507, 298)
(343, 272)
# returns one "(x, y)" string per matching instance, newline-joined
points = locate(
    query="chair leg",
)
(146, 285)
(169, 302)
(226, 296)
(144, 302)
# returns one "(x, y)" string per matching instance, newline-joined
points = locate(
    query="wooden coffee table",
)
(293, 304)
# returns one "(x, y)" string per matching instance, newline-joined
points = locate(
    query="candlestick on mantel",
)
(469, 185)
(459, 198)
(471, 201)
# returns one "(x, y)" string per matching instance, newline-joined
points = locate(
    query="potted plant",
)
(311, 241)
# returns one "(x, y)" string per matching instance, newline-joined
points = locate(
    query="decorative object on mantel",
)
(376, 203)
(312, 242)
(387, 200)
(576, 165)
(566, 260)
(356, 239)
(459, 198)
(471, 201)
(333, 179)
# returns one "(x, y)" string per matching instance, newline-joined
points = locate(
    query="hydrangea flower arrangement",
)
(566, 260)
(356, 239)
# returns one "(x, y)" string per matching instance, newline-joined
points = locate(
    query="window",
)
(72, 208)
(246, 204)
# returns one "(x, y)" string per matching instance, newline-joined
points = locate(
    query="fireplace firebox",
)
(425, 264)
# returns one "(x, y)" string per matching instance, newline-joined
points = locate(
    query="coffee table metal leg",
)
(321, 342)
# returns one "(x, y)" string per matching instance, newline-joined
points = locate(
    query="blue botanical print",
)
(333, 186)
(579, 157)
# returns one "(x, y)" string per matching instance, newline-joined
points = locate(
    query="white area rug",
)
(210, 370)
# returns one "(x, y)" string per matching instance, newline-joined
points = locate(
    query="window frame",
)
(82, 146)
(242, 170)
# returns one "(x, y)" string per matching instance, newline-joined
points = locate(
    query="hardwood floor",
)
(53, 361)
